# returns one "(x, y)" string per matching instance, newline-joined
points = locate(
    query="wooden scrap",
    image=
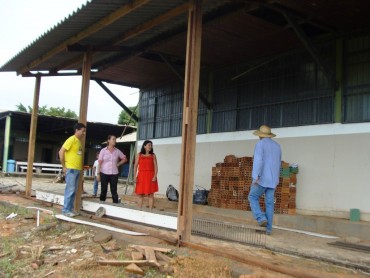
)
(122, 262)
(77, 237)
(25, 247)
(55, 248)
(162, 257)
(133, 268)
(150, 255)
(46, 275)
(137, 256)
(139, 249)
(163, 250)
(4, 254)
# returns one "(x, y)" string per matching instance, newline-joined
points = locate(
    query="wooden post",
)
(86, 67)
(32, 140)
(189, 122)
(8, 123)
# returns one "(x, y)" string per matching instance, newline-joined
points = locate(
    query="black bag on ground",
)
(172, 193)
(200, 196)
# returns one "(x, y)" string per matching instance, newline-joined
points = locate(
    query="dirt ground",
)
(62, 249)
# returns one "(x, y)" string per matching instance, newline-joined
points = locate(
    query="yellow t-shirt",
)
(73, 154)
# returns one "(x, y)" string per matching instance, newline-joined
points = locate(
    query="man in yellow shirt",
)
(70, 156)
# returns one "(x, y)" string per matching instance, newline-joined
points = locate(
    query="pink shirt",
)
(109, 160)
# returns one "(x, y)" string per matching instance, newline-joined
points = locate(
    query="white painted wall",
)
(333, 159)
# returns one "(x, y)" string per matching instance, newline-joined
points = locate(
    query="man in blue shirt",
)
(265, 176)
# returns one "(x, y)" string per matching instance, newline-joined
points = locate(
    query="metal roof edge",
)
(56, 25)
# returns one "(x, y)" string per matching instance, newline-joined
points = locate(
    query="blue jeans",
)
(72, 176)
(96, 184)
(254, 195)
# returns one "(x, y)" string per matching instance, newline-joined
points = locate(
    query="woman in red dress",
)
(145, 174)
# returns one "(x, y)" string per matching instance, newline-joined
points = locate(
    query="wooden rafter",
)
(152, 23)
(114, 16)
(137, 31)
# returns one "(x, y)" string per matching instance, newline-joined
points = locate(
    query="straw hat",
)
(264, 131)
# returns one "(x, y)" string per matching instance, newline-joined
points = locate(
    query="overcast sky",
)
(22, 22)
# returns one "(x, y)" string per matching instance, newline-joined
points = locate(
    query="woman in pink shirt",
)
(110, 158)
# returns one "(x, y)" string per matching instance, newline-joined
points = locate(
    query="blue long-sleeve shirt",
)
(266, 163)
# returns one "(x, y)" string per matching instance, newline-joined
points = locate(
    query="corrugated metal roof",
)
(131, 137)
(60, 126)
(233, 30)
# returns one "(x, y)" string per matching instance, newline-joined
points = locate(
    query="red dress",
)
(144, 183)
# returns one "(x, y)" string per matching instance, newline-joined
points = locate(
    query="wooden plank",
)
(83, 118)
(162, 257)
(160, 249)
(189, 125)
(150, 255)
(32, 140)
(123, 262)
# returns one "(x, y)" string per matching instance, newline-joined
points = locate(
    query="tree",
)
(52, 111)
(125, 118)
(22, 108)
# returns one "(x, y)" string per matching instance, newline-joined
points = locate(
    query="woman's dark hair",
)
(111, 135)
(146, 142)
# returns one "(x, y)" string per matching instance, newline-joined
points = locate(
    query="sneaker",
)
(76, 213)
(263, 223)
(69, 214)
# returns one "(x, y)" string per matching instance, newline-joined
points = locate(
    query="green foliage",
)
(22, 108)
(5, 210)
(9, 265)
(52, 111)
(125, 118)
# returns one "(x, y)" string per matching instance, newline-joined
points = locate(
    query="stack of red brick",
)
(231, 182)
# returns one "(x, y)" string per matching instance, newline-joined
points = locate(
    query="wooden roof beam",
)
(134, 32)
(151, 23)
(114, 16)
